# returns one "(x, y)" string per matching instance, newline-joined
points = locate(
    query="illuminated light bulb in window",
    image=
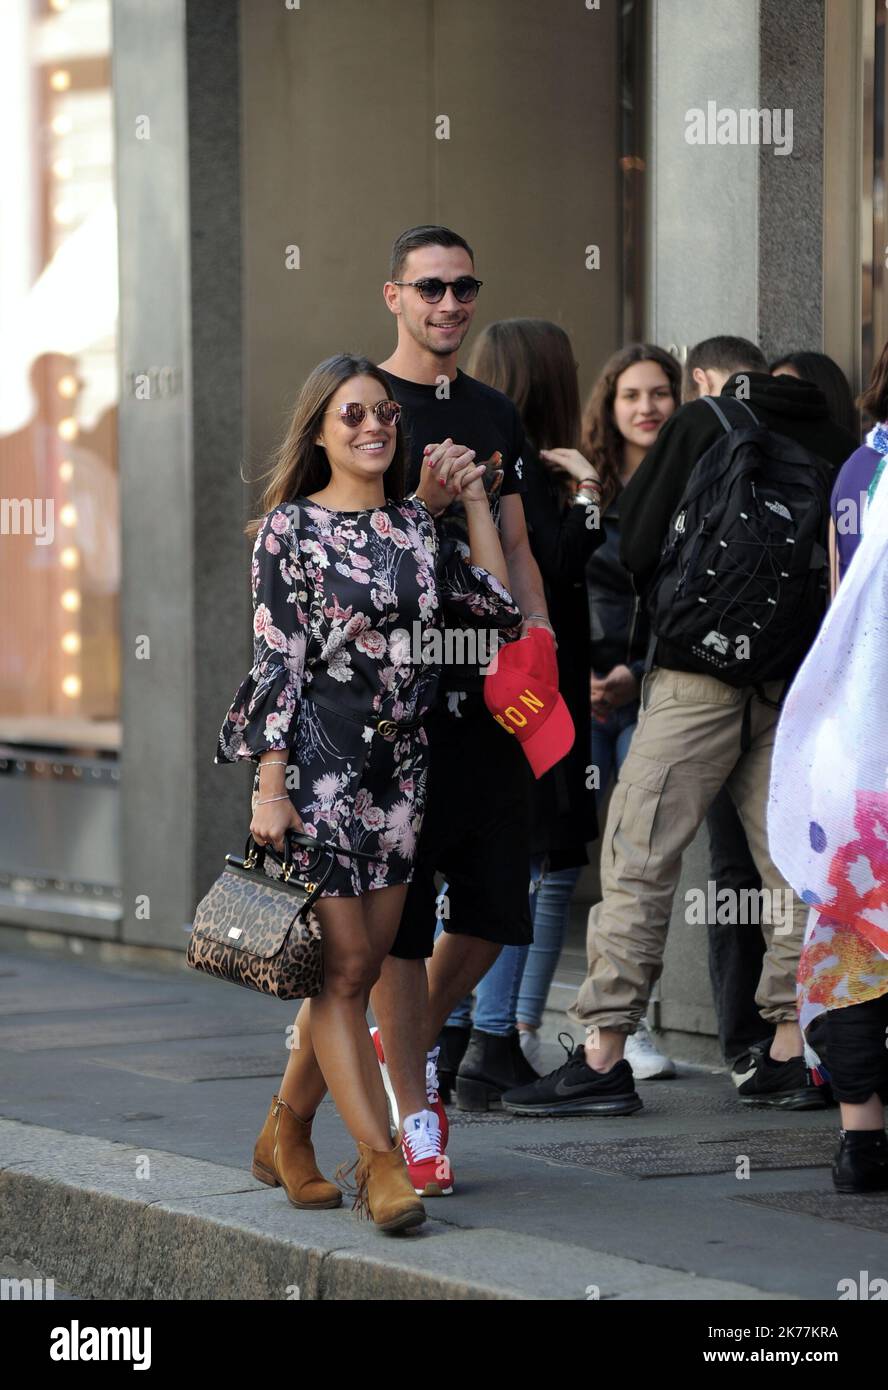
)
(68, 514)
(68, 428)
(71, 600)
(67, 386)
(71, 643)
(72, 685)
(61, 124)
(70, 557)
(66, 470)
(60, 80)
(63, 213)
(63, 168)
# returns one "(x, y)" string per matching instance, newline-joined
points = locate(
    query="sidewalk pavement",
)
(131, 1098)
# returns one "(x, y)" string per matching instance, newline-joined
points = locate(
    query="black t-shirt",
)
(481, 418)
(470, 413)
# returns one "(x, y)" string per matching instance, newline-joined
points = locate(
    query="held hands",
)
(448, 471)
(612, 691)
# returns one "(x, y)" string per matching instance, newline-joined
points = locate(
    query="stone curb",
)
(115, 1221)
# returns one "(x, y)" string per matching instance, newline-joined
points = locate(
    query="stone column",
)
(735, 246)
(185, 601)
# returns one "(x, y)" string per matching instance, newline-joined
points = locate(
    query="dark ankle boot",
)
(862, 1161)
(491, 1066)
(453, 1043)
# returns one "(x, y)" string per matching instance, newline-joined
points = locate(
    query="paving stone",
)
(869, 1211)
(660, 1157)
(123, 1025)
(201, 1066)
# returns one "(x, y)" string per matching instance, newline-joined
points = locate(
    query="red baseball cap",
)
(522, 695)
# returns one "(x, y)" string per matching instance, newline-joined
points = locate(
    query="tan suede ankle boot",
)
(384, 1189)
(284, 1157)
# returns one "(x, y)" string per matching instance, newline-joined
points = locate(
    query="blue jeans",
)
(610, 744)
(516, 985)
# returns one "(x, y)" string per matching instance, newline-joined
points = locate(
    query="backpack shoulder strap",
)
(725, 422)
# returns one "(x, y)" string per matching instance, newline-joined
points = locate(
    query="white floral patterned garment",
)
(343, 603)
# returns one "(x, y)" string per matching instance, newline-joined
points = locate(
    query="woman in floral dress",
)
(347, 580)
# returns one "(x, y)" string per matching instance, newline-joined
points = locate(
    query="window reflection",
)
(59, 513)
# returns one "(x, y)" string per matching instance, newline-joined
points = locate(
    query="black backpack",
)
(741, 586)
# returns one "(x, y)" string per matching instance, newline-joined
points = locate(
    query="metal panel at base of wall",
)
(61, 912)
(60, 848)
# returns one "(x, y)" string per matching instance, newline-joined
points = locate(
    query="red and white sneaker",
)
(435, 1103)
(386, 1079)
(433, 1099)
(427, 1163)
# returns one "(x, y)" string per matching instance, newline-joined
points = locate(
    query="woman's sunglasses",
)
(465, 289)
(354, 413)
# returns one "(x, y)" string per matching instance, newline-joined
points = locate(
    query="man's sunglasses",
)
(354, 413)
(465, 289)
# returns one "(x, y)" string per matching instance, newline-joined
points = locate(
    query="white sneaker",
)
(427, 1163)
(645, 1058)
(532, 1048)
(432, 1096)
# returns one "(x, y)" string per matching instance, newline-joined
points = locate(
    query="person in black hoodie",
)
(785, 404)
(735, 956)
(686, 747)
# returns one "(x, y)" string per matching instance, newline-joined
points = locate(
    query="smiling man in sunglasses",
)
(476, 828)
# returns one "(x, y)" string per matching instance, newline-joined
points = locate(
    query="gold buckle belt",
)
(380, 725)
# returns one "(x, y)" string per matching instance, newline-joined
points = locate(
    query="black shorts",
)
(476, 832)
(852, 1044)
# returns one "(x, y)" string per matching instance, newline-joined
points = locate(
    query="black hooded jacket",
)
(784, 404)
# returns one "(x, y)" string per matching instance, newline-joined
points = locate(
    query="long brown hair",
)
(874, 400)
(300, 466)
(532, 362)
(602, 442)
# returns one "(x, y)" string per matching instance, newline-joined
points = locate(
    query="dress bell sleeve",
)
(261, 716)
(471, 595)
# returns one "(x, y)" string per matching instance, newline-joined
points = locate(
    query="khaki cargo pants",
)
(686, 746)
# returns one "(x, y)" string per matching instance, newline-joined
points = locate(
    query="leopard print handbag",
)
(259, 931)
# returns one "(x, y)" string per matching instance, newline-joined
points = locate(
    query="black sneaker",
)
(781, 1085)
(575, 1089)
(861, 1162)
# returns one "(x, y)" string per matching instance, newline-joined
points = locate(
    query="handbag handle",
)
(254, 854)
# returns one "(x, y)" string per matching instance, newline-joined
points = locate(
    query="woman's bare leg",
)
(339, 1036)
(303, 1086)
(384, 907)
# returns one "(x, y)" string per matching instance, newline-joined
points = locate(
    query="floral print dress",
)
(343, 603)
